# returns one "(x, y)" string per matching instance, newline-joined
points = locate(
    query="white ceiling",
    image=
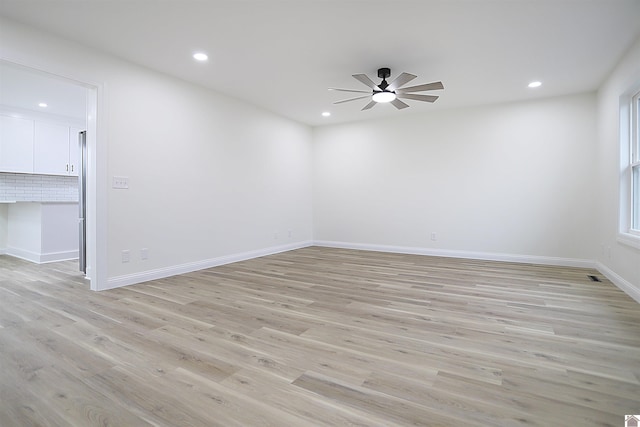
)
(283, 55)
(24, 89)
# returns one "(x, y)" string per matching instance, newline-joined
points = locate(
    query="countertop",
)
(42, 202)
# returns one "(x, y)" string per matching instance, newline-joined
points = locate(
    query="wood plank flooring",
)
(320, 337)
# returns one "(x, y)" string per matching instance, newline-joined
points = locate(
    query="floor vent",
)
(594, 278)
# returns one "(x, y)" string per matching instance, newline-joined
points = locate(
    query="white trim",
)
(23, 254)
(629, 240)
(627, 160)
(58, 256)
(97, 178)
(489, 256)
(40, 258)
(131, 279)
(626, 286)
(160, 273)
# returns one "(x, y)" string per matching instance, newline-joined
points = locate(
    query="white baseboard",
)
(58, 256)
(131, 279)
(41, 258)
(489, 256)
(626, 286)
(23, 254)
(144, 276)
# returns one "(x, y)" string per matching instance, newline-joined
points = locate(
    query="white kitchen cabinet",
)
(74, 151)
(54, 153)
(42, 231)
(16, 144)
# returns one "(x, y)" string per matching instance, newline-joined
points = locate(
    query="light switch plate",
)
(120, 182)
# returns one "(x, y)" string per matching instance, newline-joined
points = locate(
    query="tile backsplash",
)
(20, 187)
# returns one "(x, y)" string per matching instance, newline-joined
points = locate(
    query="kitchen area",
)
(41, 117)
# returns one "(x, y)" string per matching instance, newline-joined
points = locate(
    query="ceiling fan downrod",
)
(383, 73)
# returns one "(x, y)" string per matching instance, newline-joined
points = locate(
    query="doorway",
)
(52, 104)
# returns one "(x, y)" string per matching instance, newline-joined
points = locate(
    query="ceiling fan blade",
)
(399, 104)
(420, 88)
(349, 90)
(352, 99)
(362, 78)
(369, 105)
(401, 80)
(417, 97)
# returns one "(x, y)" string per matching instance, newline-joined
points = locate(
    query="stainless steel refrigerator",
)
(82, 201)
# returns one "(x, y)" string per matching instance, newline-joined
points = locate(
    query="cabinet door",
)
(16, 144)
(51, 149)
(74, 151)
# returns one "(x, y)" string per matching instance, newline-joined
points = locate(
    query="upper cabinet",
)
(55, 151)
(38, 147)
(37, 113)
(16, 144)
(51, 149)
(74, 150)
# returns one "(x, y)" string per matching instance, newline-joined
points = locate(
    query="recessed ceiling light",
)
(535, 84)
(199, 56)
(42, 105)
(326, 114)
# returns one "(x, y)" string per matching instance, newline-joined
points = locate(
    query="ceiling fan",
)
(391, 92)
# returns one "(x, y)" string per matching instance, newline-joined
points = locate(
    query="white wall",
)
(211, 178)
(511, 181)
(619, 261)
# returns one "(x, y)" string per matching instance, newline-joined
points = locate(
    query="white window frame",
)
(629, 161)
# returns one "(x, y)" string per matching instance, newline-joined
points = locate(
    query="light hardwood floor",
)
(320, 337)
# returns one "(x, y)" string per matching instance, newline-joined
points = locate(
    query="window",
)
(630, 167)
(635, 163)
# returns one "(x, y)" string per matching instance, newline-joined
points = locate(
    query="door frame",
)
(96, 218)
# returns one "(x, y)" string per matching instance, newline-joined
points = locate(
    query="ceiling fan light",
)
(383, 96)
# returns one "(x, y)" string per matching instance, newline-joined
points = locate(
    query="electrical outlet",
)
(434, 237)
(126, 255)
(144, 253)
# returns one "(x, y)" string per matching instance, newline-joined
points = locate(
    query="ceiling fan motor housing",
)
(383, 73)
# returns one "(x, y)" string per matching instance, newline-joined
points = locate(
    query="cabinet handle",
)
(67, 167)
(71, 168)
